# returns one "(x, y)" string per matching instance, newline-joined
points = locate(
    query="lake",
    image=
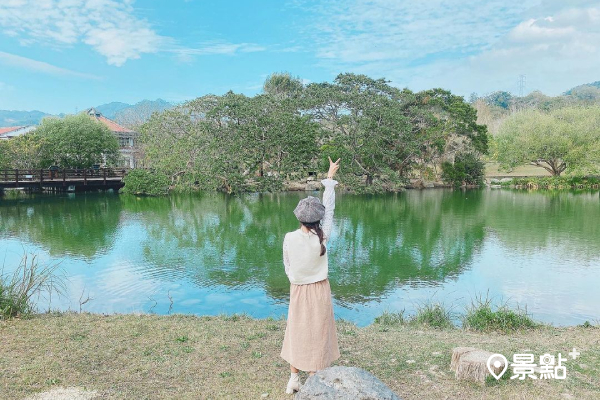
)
(213, 253)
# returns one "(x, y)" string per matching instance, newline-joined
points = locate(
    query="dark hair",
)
(316, 227)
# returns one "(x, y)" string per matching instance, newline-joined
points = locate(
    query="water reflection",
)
(80, 226)
(216, 253)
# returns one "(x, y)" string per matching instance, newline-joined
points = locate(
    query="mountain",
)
(109, 110)
(125, 114)
(18, 118)
(136, 115)
(583, 87)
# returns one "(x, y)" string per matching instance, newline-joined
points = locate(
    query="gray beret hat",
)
(309, 209)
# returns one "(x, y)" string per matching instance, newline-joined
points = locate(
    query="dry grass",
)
(187, 357)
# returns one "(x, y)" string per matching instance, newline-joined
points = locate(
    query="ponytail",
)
(316, 227)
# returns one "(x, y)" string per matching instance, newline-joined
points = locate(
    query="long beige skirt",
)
(310, 341)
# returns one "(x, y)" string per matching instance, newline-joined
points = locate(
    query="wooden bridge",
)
(63, 179)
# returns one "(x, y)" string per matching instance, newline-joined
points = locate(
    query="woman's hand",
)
(333, 167)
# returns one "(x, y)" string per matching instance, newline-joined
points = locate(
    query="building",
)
(14, 131)
(127, 138)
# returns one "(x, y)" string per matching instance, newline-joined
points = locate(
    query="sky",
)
(66, 55)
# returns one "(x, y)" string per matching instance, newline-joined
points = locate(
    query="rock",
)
(505, 180)
(311, 178)
(494, 180)
(295, 186)
(470, 363)
(496, 186)
(428, 185)
(344, 383)
(416, 184)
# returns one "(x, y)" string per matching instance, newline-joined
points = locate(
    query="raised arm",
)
(329, 203)
(329, 198)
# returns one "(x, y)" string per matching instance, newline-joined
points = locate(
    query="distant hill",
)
(580, 87)
(125, 114)
(18, 118)
(109, 110)
(136, 115)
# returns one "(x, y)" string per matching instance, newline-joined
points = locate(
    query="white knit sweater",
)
(301, 251)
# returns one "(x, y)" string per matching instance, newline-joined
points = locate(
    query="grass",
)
(29, 279)
(556, 182)
(138, 357)
(433, 315)
(484, 317)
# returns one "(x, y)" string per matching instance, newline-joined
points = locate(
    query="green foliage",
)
(391, 318)
(23, 152)
(145, 182)
(556, 182)
(500, 99)
(467, 169)
(226, 142)
(482, 316)
(4, 155)
(76, 141)
(558, 140)
(29, 279)
(282, 86)
(434, 315)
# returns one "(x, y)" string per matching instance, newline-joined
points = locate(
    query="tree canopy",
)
(383, 133)
(75, 141)
(566, 139)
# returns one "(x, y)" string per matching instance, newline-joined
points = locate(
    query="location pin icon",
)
(494, 363)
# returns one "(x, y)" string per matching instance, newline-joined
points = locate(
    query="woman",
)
(310, 341)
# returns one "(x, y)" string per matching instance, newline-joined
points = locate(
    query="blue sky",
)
(62, 55)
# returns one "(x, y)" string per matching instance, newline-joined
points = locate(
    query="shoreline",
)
(124, 356)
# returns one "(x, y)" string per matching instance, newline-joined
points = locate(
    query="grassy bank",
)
(187, 357)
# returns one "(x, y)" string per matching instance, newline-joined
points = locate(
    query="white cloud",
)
(217, 47)
(109, 26)
(40, 66)
(463, 46)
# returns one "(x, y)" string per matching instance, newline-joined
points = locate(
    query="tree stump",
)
(470, 363)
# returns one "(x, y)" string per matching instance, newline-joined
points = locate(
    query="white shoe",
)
(293, 385)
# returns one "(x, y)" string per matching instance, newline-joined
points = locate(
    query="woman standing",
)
(310, 341)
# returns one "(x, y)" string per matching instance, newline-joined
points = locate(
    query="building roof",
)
(9, 129)
(112, 125)
(13, 131)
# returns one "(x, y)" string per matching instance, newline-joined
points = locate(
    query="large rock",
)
(344, 383)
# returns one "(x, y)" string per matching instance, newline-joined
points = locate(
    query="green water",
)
(211, 253)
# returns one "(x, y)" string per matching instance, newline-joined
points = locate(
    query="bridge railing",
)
(53, 175)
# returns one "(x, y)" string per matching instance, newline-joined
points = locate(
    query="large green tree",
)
(23, 152)
(225, 142)
(566, 139)
(383, 132)
(76, 141)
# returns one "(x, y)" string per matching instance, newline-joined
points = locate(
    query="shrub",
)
(28, 280)
(482, 317)
(391, 318)
(145, 182)
(434, 315)
(467, 169)
(557, 182)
